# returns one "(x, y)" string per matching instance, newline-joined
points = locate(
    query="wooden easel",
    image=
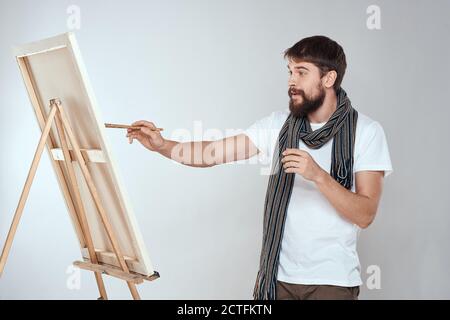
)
(58, 116)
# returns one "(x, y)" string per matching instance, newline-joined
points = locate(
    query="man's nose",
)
(291, 82)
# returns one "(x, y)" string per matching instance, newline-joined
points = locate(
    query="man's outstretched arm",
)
(194, 153)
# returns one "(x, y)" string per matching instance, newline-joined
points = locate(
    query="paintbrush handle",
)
(124, 126)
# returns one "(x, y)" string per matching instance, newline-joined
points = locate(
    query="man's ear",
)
(330, 79)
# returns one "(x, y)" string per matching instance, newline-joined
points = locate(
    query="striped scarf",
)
(341, 126)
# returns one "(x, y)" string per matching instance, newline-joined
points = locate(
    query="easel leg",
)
(78, 202)
(26, 188)
(96, 198)
(133, 290)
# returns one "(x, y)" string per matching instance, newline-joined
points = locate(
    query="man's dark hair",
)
(323, 52)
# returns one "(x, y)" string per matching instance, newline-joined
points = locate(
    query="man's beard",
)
(307, 105)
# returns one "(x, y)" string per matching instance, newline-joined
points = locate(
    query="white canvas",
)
(53, 68)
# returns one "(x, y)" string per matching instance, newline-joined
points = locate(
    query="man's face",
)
(306, 89)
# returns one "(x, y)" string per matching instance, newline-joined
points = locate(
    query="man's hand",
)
(359, 207)
(151, 139)
(301, 162)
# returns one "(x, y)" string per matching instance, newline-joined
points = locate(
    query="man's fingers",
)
(144, 133)
(291, 164)
(291, 158)
(290, 151)
(148, 132)
(133, 135)
(290, 170)
(137, 133)
(144, 123)
(138, 123)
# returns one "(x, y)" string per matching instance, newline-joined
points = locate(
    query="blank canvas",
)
(53, 68)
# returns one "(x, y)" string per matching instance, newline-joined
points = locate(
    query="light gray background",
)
(220, 62)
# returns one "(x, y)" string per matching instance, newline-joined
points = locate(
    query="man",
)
(328, 165)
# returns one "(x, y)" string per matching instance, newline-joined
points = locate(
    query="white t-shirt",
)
(319, 245)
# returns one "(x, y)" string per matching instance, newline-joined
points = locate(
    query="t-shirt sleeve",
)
(258, 133)
(374, 153)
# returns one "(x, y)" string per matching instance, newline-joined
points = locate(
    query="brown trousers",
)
(290, 291)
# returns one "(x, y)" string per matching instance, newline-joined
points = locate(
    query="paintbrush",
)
(124, 126)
